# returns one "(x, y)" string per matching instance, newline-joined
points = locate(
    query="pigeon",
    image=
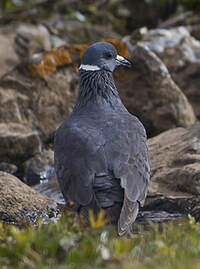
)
(101, 154)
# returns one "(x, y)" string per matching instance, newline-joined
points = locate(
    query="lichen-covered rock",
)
(38, 104)
(19, 201)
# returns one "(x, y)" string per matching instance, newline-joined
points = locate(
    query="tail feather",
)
(108, 195)
(128, 215)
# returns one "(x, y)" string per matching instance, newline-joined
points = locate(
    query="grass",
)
(70, 244)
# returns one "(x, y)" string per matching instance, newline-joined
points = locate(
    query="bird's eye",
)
(108, 55)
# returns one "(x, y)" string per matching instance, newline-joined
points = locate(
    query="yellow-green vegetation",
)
(70, 244)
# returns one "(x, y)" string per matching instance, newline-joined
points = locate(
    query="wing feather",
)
(78, 156)
(127, 217)
(133, 169)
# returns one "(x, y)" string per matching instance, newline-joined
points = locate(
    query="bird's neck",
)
(96, 87)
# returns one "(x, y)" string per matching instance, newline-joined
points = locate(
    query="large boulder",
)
(19, 202)
(175, 161)
(175, 171)
(150, 93)
(180, 52)
(17, 142)
(39, 105)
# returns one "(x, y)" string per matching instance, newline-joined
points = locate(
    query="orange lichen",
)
(49, 65)
(61, 56)
(32, 68)
(41, 71)
(66, 55)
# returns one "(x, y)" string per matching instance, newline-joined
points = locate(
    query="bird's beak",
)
(121, 61)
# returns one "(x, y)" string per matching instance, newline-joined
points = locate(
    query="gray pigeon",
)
(101, 154)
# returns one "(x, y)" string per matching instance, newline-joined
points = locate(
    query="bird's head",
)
(102, 56)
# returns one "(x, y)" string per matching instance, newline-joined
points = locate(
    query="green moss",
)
(69, 242)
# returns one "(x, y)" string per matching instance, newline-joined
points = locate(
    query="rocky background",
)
(41, 43)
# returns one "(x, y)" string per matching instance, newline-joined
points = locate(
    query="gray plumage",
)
(101, 154)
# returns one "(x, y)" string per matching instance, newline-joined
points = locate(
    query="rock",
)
(180, 52)
(38, 104)
(176, 47)
(157, 216)
(19, 202)
(175, 161)
(39, 168)
(150, 93)
(8, 167)
(188, 79)
(175, 171)
(52, 190)
(76, 32)
(31, 39)
(8, 58)
(194, 31)
(17, 143)
(160, 40)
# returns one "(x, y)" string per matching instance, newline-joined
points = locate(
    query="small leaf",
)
(39, 223)
(100, 221)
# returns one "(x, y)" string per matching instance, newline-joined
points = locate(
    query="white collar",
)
(88, 67)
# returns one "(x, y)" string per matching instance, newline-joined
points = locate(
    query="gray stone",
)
(180, 52)
(8, 167)
(17, 143)
(175, 171)
(150, 93)
(31, 39)
(39, 168)
(36, 103)
(8, 57)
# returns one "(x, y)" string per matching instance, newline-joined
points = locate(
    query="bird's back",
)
(92, 151)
